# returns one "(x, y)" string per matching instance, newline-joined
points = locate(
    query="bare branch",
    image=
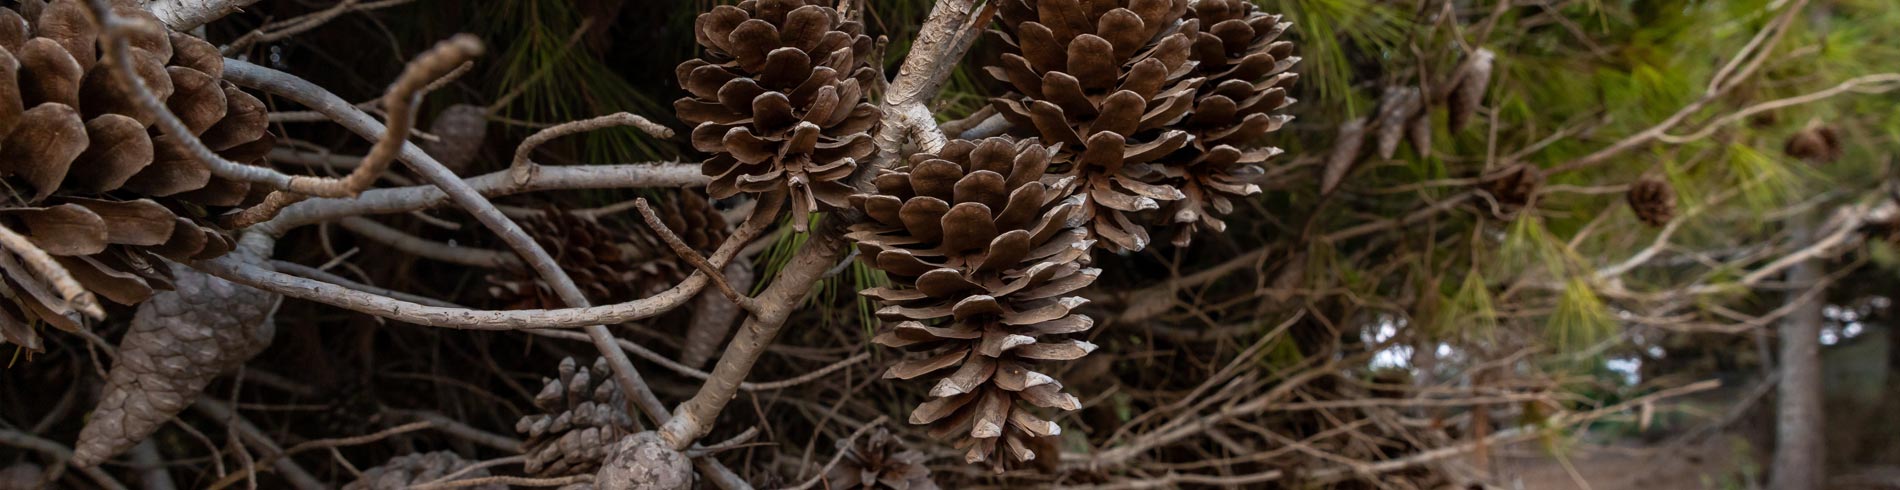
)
(692, 257)
(420, 247)
(694, 418)
(522, 167)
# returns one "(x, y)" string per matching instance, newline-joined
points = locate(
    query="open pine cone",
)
(1653, 201)
(778, 100)
(1102, 84)
(984, 258)
(1816, 144)
(581, 418)
(1512, 186)
(1245, 81)
(91, 181)
(611, 263)
(880, 461)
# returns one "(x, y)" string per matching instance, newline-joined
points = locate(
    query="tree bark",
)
(1800, 451)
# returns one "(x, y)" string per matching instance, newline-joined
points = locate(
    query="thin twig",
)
(693, 257)
(843, 449)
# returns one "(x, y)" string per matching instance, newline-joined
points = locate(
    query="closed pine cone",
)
(1653, 201)
(984, 258)
(879, 461)
(1236, 51)
(414, 469)
(581, 417)
(1090, 82)
(93, 182)
(778, 100)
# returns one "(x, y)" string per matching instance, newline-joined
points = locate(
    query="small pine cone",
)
(1653, 201)
(22, 476)
(459, 132)
(778, 100)
(413, 469)
(609, 263)
(1816, 144)
(1513, 186)
(1091, 82)
(1470, 82)
(582, 415)
(880, 461)
(97, 185)
(178, 342)
(984, 258)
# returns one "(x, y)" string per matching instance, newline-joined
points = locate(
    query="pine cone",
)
(778, 100)
(1470, 81)
(609, 263)
(22, 476)
(1245, 81)
(459, 132)
(696, 220)
(1653, 201)
(1091, 82)
(178, 342)
(1513, 186)
(1815, 144)
(96, 184)
(413, 469)
(880, 461)
(582, 415)
(984, 258)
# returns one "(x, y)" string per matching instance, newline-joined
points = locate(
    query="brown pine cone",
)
(880, 461)
(414, 469)
(1512, 186)
(179, 341)
(984, 259)
(1090, 82)
(582, 415)
(1244, 66)
(96, 184)
(778, 100)
(610, 263)
(1653, 200)
(1815, 144)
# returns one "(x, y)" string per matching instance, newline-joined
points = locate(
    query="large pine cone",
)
(1244, 68)
(581, 417)
(1653, 200)
(94, 183)
(1103, 84)
(611, 263)
(178, 343)
(414, 469)
(984, 258)
(778, 100)
(880, 461)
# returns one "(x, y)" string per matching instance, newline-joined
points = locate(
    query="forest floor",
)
(1715, 463)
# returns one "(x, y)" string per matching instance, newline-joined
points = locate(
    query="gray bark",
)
(1800, 451)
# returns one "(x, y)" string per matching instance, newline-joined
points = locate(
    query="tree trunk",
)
(1800, 454)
